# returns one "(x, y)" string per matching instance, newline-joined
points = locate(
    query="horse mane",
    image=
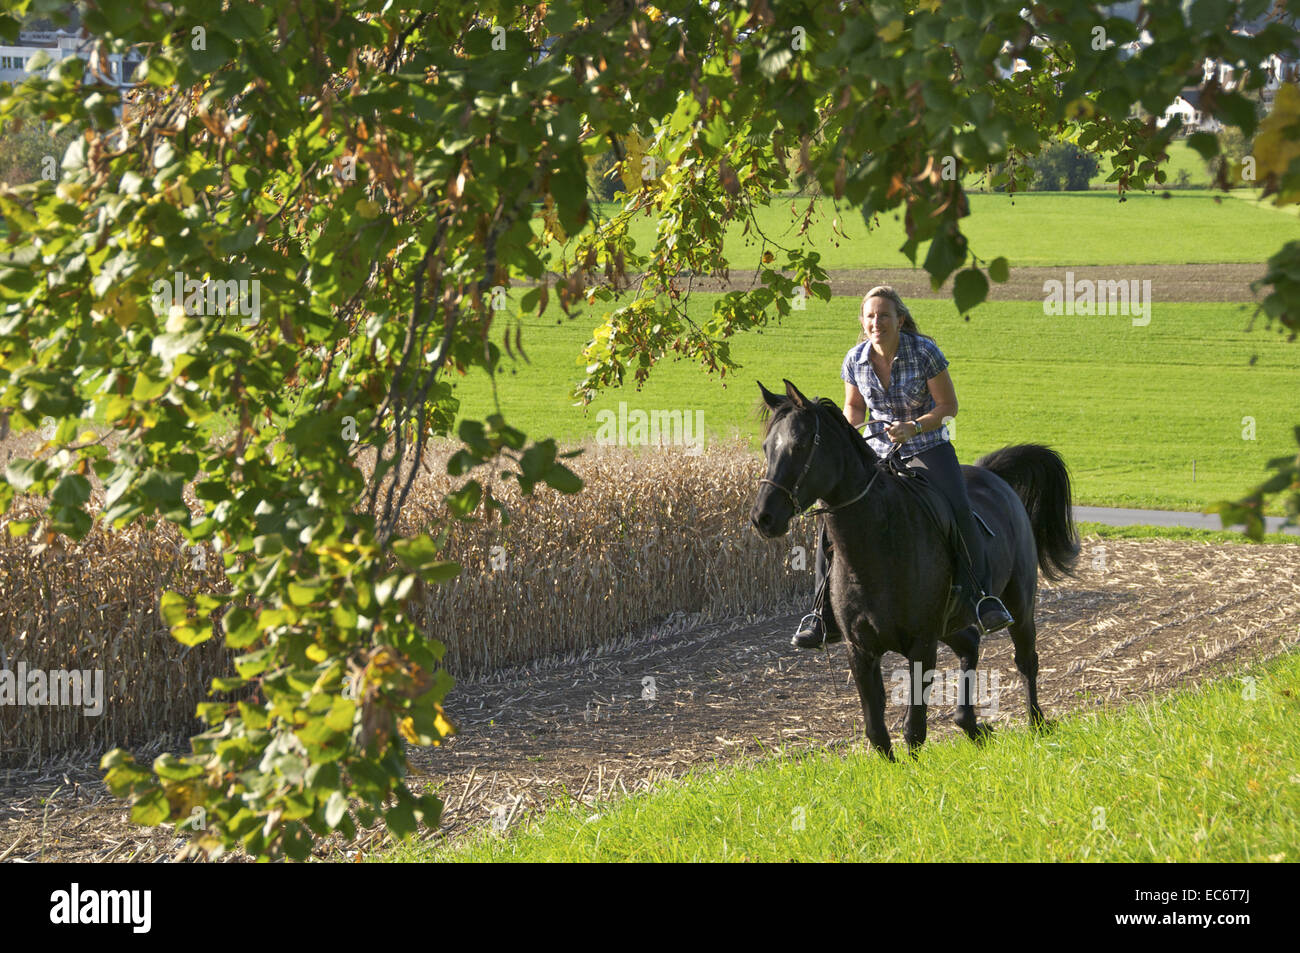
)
(829, 411)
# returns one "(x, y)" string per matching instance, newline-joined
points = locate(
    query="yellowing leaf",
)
(120, 305)
(1274, 148)
(367, 208)
(630, 171)
(552, 219)
(407, 728)
(891, 31)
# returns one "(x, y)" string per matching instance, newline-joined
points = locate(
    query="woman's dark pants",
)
(942, 469)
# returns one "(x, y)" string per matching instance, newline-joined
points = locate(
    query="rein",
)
(793, 494)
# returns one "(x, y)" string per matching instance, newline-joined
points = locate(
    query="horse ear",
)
(793, 393)
(772, 400)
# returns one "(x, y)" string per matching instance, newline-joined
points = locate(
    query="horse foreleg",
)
(871, 692)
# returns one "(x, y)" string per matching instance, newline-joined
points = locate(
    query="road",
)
(1122, 517)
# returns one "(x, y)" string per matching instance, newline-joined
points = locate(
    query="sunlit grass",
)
(1206, 775)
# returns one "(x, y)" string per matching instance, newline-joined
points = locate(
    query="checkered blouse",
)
(918, 359)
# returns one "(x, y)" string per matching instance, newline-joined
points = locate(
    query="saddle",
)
(937, 507)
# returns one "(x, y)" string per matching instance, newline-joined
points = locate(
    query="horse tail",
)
(1041, 480)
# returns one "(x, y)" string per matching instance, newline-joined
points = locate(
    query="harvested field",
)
(1142, 617)
(655, 536)
(1205, 282)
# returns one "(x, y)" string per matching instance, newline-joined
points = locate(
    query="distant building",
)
(1187, 107)
(59, 44)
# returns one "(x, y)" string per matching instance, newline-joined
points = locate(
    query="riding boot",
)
(990, 614)
(813, 632)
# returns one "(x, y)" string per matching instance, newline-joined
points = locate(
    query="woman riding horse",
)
(901, 375)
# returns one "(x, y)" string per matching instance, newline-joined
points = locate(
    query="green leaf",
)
(301, 595)
(563, 479)
(174, 769)
(150, 809)
(1206, 143)
(72, 490)
(174, 607)
(946, 254)
(969, 289)
(465, 500)
(241, 632)
(336, 808)
(22, 474)
(400, 819)
(999, 270)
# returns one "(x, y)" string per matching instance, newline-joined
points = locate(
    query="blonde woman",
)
(901, 377)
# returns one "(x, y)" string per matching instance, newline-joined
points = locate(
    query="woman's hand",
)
(902, 430)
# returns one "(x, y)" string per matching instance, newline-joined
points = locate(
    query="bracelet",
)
(917, 425)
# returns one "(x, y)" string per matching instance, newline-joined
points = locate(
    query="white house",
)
(16, 61)
(1187, 107)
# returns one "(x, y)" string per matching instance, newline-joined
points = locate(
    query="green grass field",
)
(1068, 229)
(1182, 158)
(1185, 533)
(1129, 408)
(1206, 775)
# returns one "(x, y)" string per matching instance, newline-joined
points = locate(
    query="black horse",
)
(892, 573)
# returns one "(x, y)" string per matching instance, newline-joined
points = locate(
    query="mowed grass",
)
(1182, 158)
(1129, 408)
(1206, 775)
(1066, 229)
(1088, 529)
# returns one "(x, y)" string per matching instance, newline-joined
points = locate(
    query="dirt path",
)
(1210, 282)
(1143, 616)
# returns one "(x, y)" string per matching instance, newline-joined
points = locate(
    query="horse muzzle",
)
(767, 516)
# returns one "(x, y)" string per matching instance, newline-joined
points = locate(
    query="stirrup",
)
(1006, 620)
(806, 625)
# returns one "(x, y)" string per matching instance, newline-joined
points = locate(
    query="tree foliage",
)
(377, 169)
(29, 152)
(1062, 166)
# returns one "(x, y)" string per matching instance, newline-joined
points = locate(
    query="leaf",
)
(891, 31)
(174, 607)
(22, 474)
(301, 595)
(465, 500)
(774, 59)
(563, 479)
(336, 808)
(150, 809)
(72, 490)
(174, 769)
(1206, 143)
(999, 270)
(946, 254)
(969, 289)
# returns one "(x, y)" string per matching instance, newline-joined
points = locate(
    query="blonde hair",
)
(889, 294)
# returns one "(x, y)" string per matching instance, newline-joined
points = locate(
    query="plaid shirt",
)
(908, 397)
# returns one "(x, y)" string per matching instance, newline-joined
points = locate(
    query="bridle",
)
(793, 493)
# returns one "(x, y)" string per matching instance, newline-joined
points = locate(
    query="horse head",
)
(805, 460)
